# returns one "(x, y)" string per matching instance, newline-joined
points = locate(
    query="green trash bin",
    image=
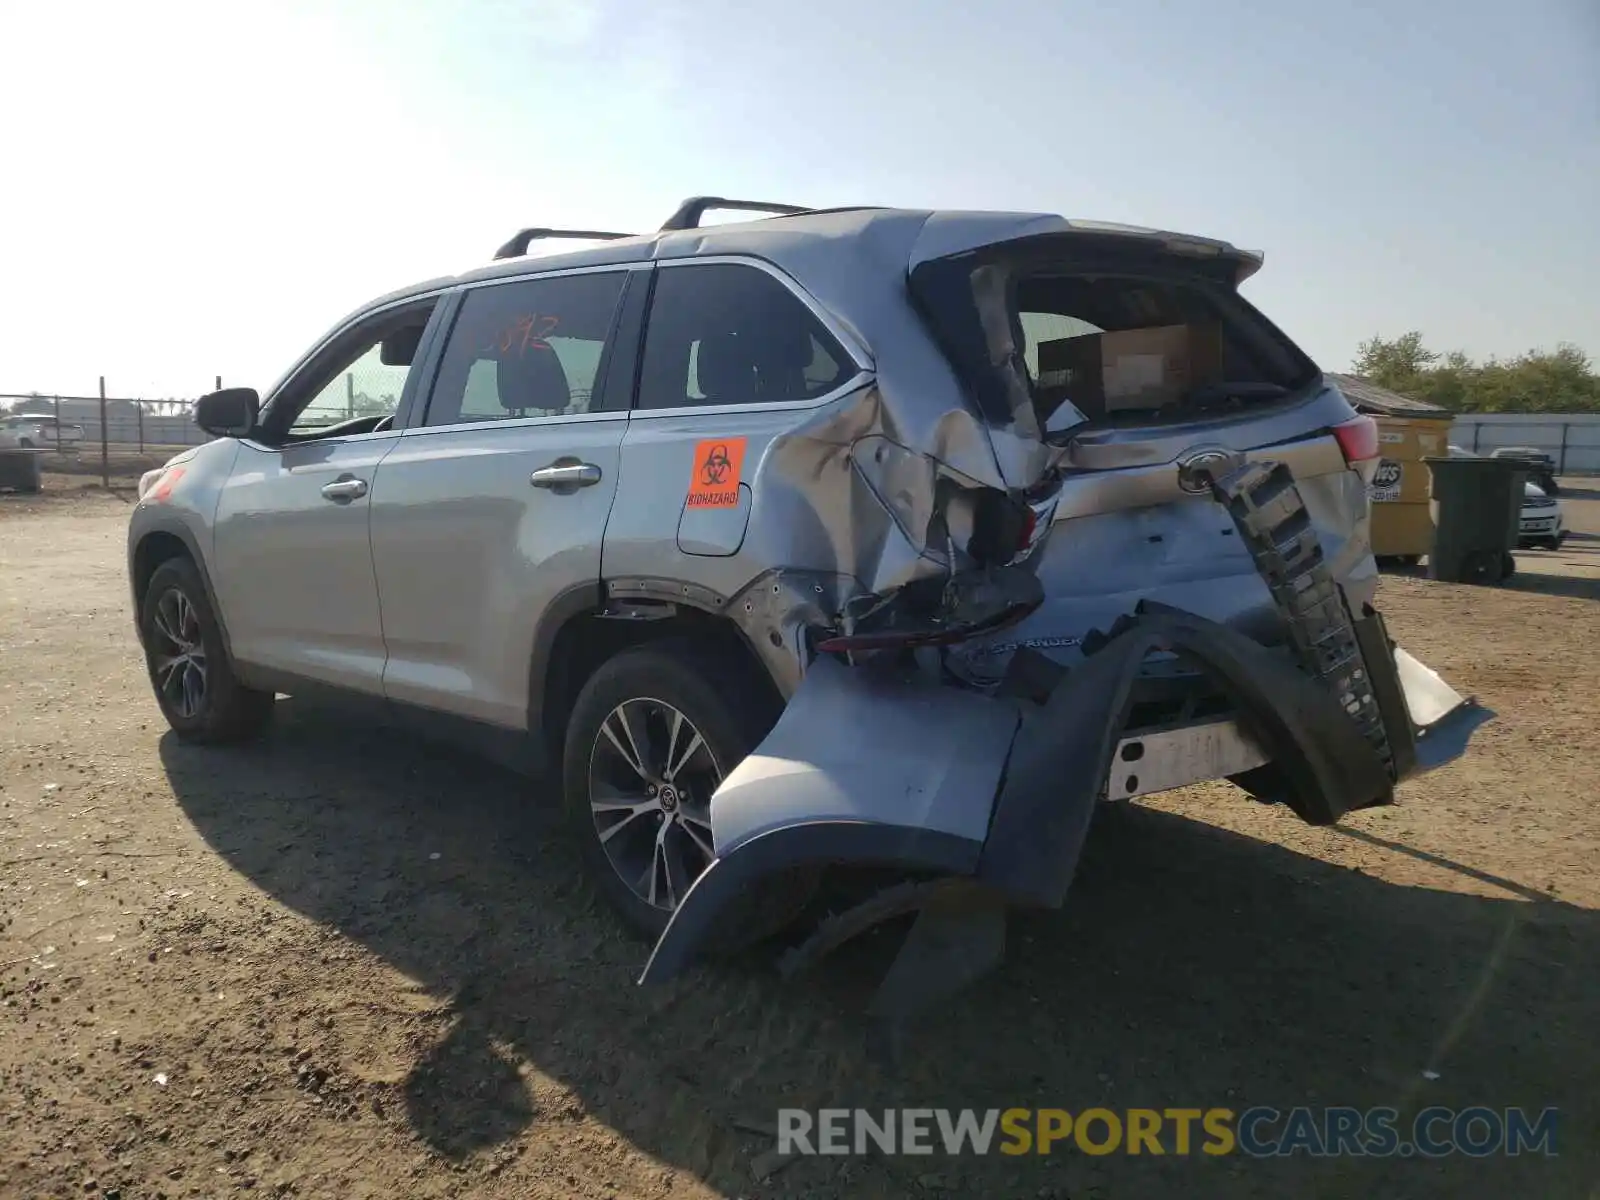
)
(1477, 507)
(19, 469)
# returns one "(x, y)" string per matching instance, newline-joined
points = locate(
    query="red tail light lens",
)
(1358, 439)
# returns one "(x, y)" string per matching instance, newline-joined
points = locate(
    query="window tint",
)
(527, 349)
(722, 333)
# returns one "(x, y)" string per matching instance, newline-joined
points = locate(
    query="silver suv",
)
(858, 536)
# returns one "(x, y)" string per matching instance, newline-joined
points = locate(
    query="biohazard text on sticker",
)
(714, 482)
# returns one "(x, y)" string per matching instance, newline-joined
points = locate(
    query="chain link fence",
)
(114, 437)
(120, 437)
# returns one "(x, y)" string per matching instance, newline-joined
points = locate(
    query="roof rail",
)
(518, 245)
(691, 210)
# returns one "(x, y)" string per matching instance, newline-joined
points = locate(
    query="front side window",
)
(726, 333)
(364, 374)
(531, 348)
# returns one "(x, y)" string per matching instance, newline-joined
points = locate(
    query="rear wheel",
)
(651, 737)
(200, 696)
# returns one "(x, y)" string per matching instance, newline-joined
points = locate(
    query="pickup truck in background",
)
(38, 431)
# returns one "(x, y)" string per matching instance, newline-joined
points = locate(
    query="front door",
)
(495, 504)
(294, 560)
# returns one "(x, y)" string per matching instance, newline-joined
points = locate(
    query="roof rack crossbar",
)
(691, 210)
(518, 245)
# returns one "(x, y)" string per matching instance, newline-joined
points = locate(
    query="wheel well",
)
(153, 550)
(588, 640)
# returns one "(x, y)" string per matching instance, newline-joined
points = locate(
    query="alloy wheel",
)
(651, 775)
(178, 655)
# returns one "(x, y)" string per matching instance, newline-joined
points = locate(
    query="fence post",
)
(105, 449)
(219, 383)
(349, 395)
(138, 408)
(59, 450)
(1561, 467)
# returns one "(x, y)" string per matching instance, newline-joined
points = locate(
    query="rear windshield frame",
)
(956, 297)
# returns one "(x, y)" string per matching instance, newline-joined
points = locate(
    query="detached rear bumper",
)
(869, 767)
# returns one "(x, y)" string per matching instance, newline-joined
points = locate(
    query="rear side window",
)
(532, 348)
(725, 333)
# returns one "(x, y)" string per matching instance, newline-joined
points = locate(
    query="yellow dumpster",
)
(1408, 431)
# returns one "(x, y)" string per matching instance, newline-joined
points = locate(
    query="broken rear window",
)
(1059, 330)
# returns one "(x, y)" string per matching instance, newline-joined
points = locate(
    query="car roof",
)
(792, 240)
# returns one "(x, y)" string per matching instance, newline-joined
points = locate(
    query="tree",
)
(364, 405)
(35, 403)
(1562, 380)
(1394, 363)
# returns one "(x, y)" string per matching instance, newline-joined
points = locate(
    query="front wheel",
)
(651, 737)
(200, 696)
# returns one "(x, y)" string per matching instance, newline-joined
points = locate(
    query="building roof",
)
(1368, 397)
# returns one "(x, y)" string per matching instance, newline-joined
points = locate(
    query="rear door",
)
(735, 355)
(493, 504)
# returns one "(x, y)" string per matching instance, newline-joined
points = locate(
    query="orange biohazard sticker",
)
(715, 481)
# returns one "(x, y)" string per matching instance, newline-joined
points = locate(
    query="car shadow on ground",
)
(1573, 570)
(1192, 967)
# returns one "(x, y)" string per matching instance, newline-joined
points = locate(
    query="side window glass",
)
(532, 348)
(725, 333)
(372, 375)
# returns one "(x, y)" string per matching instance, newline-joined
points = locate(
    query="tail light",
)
(1358, 440)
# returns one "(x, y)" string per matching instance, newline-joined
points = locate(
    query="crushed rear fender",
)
(872, 766)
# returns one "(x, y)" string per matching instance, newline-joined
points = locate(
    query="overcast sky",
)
(191, 191)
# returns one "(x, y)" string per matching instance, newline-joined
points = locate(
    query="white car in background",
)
(36, 431)
(1542, 523)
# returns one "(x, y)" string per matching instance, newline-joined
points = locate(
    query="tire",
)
(1508, 566)
(201, 698)
(667, 824)
(1482, 567)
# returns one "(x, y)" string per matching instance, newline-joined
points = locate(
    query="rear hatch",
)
(1133, 436)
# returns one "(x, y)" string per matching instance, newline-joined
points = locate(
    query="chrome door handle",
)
(566, 475)
(345, 489)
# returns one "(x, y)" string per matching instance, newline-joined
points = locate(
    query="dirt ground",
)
(341, 963)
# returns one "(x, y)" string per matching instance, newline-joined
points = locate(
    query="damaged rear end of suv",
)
(1090, 527)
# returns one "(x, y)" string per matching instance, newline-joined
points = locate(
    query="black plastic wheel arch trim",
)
(859, 843)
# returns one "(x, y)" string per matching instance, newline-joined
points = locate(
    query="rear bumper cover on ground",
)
(869, 769)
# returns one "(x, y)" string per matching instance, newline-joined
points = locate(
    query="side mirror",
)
(229, 413)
